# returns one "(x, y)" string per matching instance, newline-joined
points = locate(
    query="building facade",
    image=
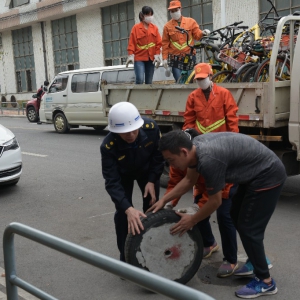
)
(40, 38)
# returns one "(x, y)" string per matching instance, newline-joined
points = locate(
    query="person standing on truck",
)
(173, 41)
(229, 157)
(144, 47)
(40, 92)
(130, 153)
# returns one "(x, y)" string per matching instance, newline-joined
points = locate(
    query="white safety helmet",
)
(124, 117)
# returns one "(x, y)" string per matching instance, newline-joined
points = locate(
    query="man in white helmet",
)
(128, 153)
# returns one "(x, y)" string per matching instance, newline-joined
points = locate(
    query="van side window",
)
(109, 77)
(126, 76)
(85, 83)
(59, 84)
(92, 82)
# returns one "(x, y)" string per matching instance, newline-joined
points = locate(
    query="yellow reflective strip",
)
(211, 127)
(146, 46)
(180, 47)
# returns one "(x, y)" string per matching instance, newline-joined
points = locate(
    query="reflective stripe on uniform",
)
(211, 127)
(146, 47)
(180, 47)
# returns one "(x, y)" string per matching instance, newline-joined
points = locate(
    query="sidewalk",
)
(12, 113)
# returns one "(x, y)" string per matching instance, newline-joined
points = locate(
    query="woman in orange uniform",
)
(144, 47)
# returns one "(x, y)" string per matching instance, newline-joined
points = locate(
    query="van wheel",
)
(157, 251)
(99, 128)
(60, 123)
(32, 115)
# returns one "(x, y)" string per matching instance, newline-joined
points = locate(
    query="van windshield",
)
(59, 84)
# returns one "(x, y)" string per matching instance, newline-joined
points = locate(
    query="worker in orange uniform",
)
(173, 41)
(211, 108)
(144, 47)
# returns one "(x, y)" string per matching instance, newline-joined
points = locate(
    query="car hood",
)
(5, 135)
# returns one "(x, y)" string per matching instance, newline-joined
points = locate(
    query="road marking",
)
(21, 292)
(34, 154)
(110, 213)
(25, 128)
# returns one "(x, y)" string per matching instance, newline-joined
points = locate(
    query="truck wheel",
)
(157, 251)
(32, 115)
(60, 123)
(99, 128)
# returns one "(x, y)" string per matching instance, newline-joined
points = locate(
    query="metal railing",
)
(138, 276)
(12, 106)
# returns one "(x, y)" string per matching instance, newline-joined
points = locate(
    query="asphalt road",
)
(62, 192)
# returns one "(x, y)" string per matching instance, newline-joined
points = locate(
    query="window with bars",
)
(65, 44)
(284, 7)
(15, 3)
(117, 21)
(24, 59)
(200, 10)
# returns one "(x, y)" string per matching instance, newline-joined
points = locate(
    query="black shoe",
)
(39, 123)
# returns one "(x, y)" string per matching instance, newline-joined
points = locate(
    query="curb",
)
(13, 116)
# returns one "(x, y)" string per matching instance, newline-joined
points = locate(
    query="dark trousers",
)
(226, 228)
(120, 218)
(251, 212)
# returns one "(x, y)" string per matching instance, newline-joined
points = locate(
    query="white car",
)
(10, 158)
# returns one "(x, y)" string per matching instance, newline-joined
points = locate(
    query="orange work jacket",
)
(144, 43)
(217, 114)
(174, 42)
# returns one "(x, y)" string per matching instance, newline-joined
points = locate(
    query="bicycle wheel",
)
(245, 40)
(223, 76)
(282, 70)
(249, 75)
(241, 72)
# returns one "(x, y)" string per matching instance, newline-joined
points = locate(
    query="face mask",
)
(148, 19)
(204, 84)
(176, 15)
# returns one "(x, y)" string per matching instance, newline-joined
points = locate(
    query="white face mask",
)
(148, 19)
(204, 84)
(176, 15)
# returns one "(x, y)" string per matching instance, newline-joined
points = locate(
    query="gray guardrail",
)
(14, 106)
(138, 276)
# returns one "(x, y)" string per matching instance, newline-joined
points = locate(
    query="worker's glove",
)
(165, 63)
(169, 205)
(156, 60)
(191, 210)
(206, 32)
(130, 59)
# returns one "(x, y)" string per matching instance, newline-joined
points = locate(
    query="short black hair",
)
(46, 83)
(173, 141)
(146, 10)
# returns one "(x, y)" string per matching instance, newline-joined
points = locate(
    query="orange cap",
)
(202, 70)
(174, 4)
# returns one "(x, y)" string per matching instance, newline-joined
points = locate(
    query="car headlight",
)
(11, 145)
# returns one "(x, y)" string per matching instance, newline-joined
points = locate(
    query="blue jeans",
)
(176, 73)
(143, 69)
(226, 228)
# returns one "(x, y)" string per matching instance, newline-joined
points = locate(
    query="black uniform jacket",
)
(120, 159)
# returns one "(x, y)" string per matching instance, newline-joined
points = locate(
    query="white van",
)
(74, 97)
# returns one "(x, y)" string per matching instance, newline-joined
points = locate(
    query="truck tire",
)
(157, 251)
(31, 114)
(60, 123)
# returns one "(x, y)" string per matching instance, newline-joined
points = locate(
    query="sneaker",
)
(207, 251)
(227, 269)
(247, 268)
(256, 288)
(39, 123)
